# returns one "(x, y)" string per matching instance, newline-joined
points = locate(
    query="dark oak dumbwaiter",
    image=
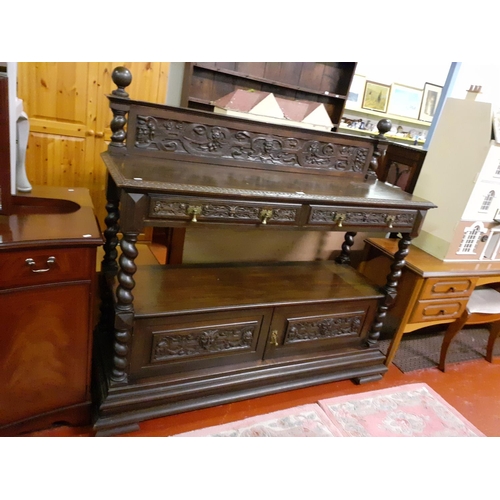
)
(177, 338)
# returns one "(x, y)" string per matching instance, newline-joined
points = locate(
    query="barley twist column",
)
(390, 288)
(344, 257)
(124, 307)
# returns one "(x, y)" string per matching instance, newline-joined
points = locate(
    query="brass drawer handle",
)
(265, 215)
(51, 260)
(390, 220)
(274, 338)
(339, 219)
(194, 212)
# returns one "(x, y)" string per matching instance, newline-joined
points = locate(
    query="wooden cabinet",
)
(324, 82)
(176, 338)
(47, 293)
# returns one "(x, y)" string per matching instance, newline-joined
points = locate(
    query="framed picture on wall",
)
(432, 94)
(405, 101)
(356, 91)
(376, 96)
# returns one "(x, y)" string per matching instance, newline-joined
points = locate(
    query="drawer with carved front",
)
(195, 210)
(354, 217)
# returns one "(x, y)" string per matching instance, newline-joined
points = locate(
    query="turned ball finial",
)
(122, 77)
(384, 126)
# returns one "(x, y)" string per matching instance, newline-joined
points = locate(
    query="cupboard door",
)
(44, 350)
(319, 330)
(170, 345)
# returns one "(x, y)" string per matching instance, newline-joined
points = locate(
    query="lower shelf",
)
(207, 335)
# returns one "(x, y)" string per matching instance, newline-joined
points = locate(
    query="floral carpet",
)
(412, 410)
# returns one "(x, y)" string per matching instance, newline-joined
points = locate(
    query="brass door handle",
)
(51, 260)
(194, 212)
(274, 338)
(265, 215)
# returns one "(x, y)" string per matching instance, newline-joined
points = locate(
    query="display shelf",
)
(327, 83)
(393, 118)
(356, 131)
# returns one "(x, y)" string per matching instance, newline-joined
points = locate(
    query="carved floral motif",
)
(196, 139)
(361, 217)
(166, 208)
(334, 326)
(202, 341)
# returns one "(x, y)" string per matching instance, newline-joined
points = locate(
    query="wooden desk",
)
(430, 291)
(187, 337)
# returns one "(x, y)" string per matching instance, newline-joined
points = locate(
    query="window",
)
(470, 239)
(487, 201)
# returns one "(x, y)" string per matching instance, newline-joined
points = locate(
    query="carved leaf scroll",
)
(201, 341)
(331, 327)
(184, 138)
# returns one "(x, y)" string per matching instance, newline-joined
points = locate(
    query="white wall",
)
(485, 75)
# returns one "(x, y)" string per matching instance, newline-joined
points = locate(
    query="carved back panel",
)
(202, 137)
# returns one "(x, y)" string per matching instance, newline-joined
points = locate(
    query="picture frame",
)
(356, 92)
(376, 96)
(405, 101)
(430, 100)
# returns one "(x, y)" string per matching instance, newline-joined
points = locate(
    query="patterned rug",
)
(419, 351)
(412, 410)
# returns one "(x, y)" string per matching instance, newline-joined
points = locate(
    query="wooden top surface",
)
(427, 265)
(162, 290)
(142, 173)
(50, 216)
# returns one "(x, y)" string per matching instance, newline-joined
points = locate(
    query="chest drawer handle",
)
(31, 263)
(194, 212)
(265, 215)
(451, 289)
(390, 221)
(339, 219)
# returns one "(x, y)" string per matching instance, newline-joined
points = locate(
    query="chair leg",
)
(494, 333)
(452, 330)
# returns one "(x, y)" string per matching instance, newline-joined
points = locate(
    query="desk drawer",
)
(350, 217)
(208, 210)
(435, 310)
(436, 288)
(47, 266)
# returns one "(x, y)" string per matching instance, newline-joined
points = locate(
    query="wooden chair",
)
(483, 307)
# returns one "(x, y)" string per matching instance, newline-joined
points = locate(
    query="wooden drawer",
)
(317, 330)
(355, 217)
(436, 288)
(435, 310)
(170, 345)
(48, 266)
(209, 210)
